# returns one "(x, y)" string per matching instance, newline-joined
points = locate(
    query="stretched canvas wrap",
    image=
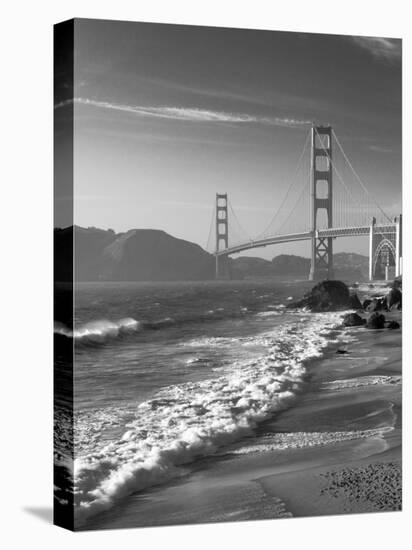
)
(228, 274)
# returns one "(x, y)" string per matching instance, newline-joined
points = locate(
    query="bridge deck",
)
(334, 232)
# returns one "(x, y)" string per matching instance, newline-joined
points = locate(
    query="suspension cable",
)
(334, 167)
(210, 228)
(238, 222)
(358, 178)
(341, 179)
(293, 181)
(301, 194)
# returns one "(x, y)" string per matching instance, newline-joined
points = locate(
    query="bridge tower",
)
(321, 265)
(222, 236)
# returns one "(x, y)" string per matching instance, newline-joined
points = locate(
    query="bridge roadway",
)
(333, 232)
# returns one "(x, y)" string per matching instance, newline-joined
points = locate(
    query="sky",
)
(166, 116)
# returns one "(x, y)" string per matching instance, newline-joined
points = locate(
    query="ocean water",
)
(168, 373)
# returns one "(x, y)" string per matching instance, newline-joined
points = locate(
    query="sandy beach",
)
(336, 451)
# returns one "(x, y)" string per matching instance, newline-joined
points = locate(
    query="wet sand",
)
(338, 450)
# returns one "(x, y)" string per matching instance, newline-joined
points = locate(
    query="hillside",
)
(247, 266)
(154, 255)
(348, 266)
(137, 255)
(288, 264)
(349, 262)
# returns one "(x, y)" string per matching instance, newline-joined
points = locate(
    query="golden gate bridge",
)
(326, 199)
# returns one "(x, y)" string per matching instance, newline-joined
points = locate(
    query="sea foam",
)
(363, 381)
(98, 331)
(183, 422)
(299, 440)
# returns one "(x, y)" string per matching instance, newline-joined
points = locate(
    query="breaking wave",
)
(184, 422)
(98, 331)
(102, 330)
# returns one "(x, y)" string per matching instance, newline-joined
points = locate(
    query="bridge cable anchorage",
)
(358, 177)
(292, 183)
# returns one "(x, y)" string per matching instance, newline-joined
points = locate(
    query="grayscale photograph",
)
(227, 274)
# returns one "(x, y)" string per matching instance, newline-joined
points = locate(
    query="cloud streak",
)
(186, 114)
(388, 49)
(380, 149)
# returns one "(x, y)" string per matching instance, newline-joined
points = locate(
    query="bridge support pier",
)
(398, 246)
(371, 248)
(385, 250)
(222, 237)
(223, 272)
(321, 265)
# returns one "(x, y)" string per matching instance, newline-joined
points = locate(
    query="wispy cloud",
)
(380, 149)
(187, 114)
(388, 49)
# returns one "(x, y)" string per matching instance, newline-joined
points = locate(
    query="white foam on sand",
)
(370, 288)
(210, 342)
(271, 313)
(362, 381)
(195, 419)
(298, 440)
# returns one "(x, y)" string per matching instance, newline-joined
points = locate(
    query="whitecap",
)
(183, 422)
(98, 330)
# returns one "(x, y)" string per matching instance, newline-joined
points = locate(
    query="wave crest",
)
(98, 331)
(195, 419)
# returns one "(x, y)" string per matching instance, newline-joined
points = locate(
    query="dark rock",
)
(326, 296)
(372, 306)
(375, 321)
(353, 320)
(392, 325)
(366, 303)
(377, 304)
(382, 304)
(354, 301)
(342, 351)
(394, 298)
(397, 282)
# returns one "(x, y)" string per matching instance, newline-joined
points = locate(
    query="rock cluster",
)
(335, 296)
(353, 320)
(328, 296)
(374, 306)
(376, 320)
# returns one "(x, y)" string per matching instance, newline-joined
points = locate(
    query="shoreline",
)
(300, 481)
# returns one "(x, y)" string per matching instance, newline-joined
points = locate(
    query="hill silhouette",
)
(136, 255)
(154, 255)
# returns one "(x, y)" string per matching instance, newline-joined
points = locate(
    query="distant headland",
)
(154, 255)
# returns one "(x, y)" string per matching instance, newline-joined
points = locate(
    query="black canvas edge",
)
(63, 264)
